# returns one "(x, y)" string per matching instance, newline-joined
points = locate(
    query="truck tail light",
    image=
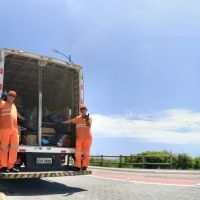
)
(62, 158)
(18, 161)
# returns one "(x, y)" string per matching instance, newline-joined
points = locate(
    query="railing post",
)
(171, 161)
(101, 160)
(144, 160)
(120, 161)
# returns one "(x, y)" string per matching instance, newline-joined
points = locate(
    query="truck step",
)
(24, 175)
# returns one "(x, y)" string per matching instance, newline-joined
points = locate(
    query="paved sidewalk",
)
(107, 184)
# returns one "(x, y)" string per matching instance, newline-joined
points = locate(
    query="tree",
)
(184, 161)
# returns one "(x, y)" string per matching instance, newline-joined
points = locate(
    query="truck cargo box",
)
(49, 91)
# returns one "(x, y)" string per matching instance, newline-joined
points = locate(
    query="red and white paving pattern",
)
(162, 177)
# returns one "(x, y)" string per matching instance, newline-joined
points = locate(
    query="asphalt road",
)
(108, 184)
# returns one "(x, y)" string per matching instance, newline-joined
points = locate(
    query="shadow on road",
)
(36, 187)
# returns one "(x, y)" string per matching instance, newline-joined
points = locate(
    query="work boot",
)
(14, 170)
(4, 170)
(76, 169)
(84, 168)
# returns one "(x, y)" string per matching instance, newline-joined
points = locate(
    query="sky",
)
(140, 60)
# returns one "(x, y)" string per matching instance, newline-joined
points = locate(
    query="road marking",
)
(142, 182)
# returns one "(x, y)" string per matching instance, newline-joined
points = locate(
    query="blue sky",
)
(141, 65)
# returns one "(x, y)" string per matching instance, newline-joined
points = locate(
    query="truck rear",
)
(49, 91)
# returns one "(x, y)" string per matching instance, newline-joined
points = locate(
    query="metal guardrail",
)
(120, 160)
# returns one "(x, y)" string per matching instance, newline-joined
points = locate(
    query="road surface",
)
(109, 184)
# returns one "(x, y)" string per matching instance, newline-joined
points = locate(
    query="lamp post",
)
(61, 53)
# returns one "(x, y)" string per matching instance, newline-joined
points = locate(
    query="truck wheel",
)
(3, 196)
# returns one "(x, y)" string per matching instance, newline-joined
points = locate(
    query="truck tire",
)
(3, 196)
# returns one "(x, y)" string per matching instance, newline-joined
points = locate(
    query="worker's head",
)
(11, 96)
(83, 109)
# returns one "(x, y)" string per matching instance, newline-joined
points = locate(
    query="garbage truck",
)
(48, 91)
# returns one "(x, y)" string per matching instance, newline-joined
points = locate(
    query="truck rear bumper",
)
(26, 175)
(45, 149)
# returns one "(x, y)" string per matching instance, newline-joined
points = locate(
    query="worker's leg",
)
(4, 146)
(79, 151)
(86, 150)
(14, 144)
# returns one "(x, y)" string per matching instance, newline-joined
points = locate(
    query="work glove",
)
(87, 117)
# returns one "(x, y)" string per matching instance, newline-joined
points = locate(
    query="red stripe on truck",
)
(22, 150)
(1, 86)
(1, 70)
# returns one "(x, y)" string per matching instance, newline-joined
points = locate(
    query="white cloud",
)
(170, 126)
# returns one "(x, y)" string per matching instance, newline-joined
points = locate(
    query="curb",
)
(156, 171)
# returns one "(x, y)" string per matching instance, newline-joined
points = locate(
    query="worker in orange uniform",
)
(83, 138)
(9, 137)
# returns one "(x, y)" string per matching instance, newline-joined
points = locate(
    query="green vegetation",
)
(148, 160)
(196, 163)
(183, 161)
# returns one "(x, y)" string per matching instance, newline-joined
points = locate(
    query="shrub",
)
(153, 157)
(184, 161)
(196, 163)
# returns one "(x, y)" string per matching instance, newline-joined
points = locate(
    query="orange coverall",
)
(9, 136)
(83, 141)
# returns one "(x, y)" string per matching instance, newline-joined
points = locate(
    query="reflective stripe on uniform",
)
(80, 126)
(4, 110)
(2, 114)
(4, 147)
(14, 146)
(86, 153)
(79, 153)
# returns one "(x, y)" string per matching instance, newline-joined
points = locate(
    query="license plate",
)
(44, 161)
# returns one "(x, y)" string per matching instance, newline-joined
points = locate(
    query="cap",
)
(83, 106)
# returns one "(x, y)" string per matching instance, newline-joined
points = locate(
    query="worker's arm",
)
(20, 117)
(88, 124)
(67, 121)
(88, 121)
(73, 121)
